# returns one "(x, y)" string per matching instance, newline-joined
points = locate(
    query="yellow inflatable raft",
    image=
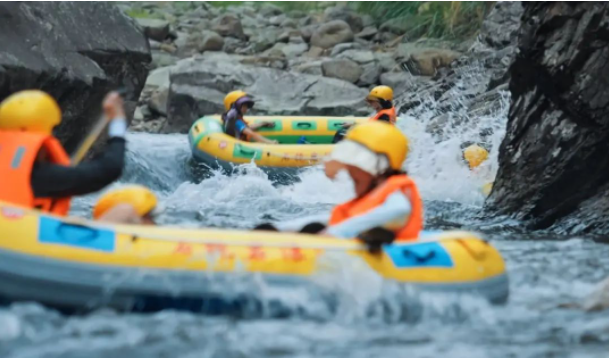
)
(75, 264)
(209, 143)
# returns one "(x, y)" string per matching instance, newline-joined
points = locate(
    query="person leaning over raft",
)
(134, 204)
(237, 103)
(36, 171)
(380, 98)
(372, 153)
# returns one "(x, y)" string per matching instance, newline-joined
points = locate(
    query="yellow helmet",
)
(141, 198)
(382, 92)
(381, 138)
(232, 97)
(475, 155)
(31, 110)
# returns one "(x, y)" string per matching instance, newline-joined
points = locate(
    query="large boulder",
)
(343, 69)
(209, 41)
(500, 27)
(553, 160)
(371, 68)
(229, 25)
(330, 34)
(54, 46)
(199, 85)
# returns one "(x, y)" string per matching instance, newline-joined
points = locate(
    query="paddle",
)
(92, 137)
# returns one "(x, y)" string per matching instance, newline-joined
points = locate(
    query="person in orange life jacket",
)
(372, 154)
(380, 98)
(36, 171)
(236, 126)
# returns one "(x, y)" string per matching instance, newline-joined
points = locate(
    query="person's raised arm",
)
(56, 181)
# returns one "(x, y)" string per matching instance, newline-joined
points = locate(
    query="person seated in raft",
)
(237, 103)
(134, 204)
(380, 98)
(475, 155)
(36, 171)
(372, 154)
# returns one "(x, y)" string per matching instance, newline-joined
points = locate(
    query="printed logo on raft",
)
(252, 253)
(12, 213)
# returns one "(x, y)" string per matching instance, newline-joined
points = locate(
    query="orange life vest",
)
(410, 230)
(389, 112)
(18, 152)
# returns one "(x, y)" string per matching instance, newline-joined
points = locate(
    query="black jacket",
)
(57, 181)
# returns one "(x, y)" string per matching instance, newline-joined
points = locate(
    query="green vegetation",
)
(434, 19)
(449, 20)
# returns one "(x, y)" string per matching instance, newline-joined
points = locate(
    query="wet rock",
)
(161, 59)
(359, 56)
(288, 23)
(76, 61)
(232, 45)
(395, 80)
(181, 40)
(198, 87)
(500, 27)
(387, 62)
(250, 22)
(332, 33)
(343, 69)
(296, 14)
(340, 48)
(154, 29)
(289, 50)
(345, 14)
(310, 68)
(277, 20)
(367, 33)
(385, 37)
(308, 21)
(154, 45)
(158, 78)
(426, 62)
(307, 32)
(553, 159)
(370, 74)
(210, 41)
(315, 52)
(158, 101)
(229, 25)
(268, 10)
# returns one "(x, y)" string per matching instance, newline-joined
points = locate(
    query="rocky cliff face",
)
(75, 51)
(554, 167)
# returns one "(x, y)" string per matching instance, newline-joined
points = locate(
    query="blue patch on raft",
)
(52, 231)
(425, 254)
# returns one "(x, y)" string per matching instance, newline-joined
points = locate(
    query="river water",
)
(546, 271)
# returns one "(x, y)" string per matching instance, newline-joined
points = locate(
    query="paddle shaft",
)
(89, 140)
(96, 131)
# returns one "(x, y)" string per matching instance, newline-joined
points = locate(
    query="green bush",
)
(435, 19)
